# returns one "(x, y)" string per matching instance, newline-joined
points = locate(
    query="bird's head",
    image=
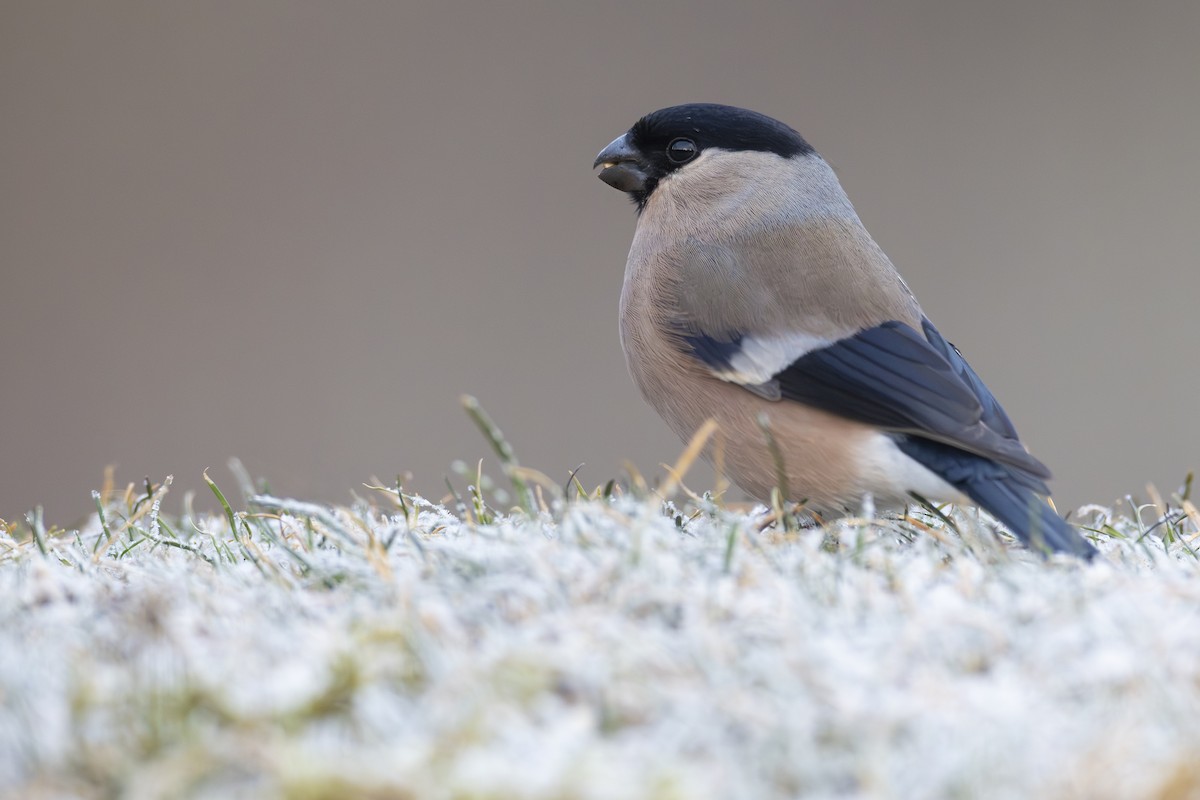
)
(671, 140)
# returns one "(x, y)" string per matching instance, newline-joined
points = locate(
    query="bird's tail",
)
(1028, 516)
(1012, 495)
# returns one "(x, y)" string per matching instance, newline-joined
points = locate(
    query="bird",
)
(754, 296)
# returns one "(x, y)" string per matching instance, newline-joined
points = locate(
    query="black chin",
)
(641, 198)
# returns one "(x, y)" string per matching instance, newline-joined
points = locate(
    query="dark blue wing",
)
(918, 386)
(892, 377)
(993, 415)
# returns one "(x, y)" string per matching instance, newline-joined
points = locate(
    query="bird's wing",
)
(993, 415)
(890, 376)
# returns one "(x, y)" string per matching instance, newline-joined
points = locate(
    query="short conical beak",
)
(622, 166)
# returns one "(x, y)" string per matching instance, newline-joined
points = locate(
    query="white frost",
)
(595, 652)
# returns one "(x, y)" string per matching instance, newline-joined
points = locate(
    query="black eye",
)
(681, 151)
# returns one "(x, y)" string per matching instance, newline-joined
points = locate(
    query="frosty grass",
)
(598, 647)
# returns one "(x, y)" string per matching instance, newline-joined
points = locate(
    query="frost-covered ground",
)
(599, 648)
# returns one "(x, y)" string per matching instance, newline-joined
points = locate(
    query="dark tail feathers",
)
(1028, 516)
(1002, 490)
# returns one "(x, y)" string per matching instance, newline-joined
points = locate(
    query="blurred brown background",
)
(295, 232)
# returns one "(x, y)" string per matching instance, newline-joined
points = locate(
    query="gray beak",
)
(622, 166)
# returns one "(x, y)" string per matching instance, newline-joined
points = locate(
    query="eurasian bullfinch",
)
(752, 288)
